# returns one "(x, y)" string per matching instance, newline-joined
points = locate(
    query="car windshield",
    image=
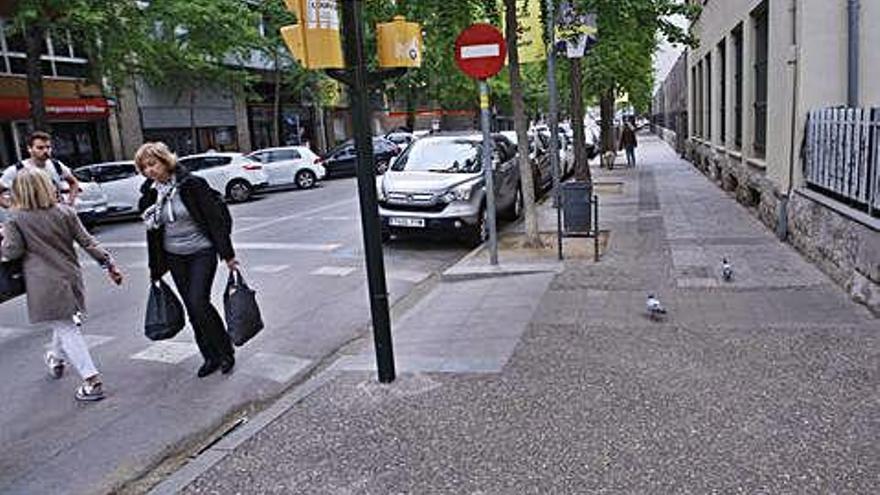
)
(441, 155)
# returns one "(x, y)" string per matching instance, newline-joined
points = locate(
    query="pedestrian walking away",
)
(42, 232)
(188, 228)
(629, 142)
(39, 146)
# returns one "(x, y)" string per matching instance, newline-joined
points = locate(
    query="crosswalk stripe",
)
(334, 271)
(167, 352)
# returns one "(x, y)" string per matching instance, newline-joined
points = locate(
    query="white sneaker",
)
(55, 365)
(90, 391)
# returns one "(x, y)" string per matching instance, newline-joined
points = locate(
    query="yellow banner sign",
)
(530, 42)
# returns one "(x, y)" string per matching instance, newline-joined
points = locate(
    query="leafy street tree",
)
(527, 180)
(621, 61)
(175, 43)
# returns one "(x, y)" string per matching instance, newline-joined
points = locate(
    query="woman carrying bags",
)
(188, 228)
(42, 232)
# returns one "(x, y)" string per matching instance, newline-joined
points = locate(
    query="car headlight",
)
(459, 193)
(380, 192)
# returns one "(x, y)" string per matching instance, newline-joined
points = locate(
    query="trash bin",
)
(576, 198)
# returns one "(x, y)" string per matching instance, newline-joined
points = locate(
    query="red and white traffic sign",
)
(480, 51)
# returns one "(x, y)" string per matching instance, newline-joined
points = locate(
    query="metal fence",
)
(842, 154)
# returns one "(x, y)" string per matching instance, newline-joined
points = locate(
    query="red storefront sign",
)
(56, 108)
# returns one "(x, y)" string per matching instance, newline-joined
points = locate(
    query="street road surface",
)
(301, 250)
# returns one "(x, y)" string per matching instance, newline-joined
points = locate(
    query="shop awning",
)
(57, 108)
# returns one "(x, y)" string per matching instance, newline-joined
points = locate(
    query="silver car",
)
(437, 187)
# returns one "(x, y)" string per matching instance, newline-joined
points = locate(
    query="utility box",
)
(576, 208)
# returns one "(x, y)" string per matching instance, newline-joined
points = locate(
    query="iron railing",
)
(842, 155)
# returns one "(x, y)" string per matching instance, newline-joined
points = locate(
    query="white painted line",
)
(334, 271)
(245, 246)
(93, 340)
(295, 215)
(9, 332)
(268, 268)
(276, 367)
(480, 51)
(408, 275)
(167, 352)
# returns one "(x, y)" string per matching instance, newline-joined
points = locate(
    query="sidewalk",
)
(553, 380)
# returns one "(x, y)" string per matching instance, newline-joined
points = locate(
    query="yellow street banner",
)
(315, 40)
(530, 41)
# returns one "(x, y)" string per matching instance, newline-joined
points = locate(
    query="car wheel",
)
(239, 190)
(305, 179)
(517, 208)
(480, 231)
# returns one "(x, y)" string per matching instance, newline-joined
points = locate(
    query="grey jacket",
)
(53, 278)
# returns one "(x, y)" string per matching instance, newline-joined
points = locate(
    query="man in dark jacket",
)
(629, 142)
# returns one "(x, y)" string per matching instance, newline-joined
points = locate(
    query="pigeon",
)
(726, 270)
(655, 309)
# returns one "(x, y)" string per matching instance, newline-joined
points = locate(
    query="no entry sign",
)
(480, 51)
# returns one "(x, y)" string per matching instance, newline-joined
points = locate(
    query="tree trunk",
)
(606, 107)
(581, 162)
(527, 181)
(35, 36)
(276, 106)
(192, 121)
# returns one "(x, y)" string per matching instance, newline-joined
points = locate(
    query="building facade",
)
(761, 68)
(78, 112)
(669, 107)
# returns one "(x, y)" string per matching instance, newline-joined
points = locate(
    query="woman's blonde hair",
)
(156, 151)
(33, 189)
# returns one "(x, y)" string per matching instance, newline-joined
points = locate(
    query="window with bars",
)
(722, 92)
(737, 37)
(695, 100)
(708, 67)
(759, 18)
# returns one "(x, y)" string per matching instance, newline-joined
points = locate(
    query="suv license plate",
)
(406, 222)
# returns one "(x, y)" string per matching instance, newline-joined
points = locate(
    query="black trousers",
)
(193, 274)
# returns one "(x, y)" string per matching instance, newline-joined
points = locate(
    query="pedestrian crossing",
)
(279, 368)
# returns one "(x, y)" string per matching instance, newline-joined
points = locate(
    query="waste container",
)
(576, 198)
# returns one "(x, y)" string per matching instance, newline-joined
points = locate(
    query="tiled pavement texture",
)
(766, 384)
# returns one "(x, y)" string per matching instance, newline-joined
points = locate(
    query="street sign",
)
(480, 51)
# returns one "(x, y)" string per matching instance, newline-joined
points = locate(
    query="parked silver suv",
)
(437, 187)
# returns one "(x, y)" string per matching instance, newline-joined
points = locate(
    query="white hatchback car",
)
(290, 165)
(233, 174)
(120, 182)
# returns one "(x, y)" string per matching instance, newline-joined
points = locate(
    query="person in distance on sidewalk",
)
(187, 230)
(42, 232)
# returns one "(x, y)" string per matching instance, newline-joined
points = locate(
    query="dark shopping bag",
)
(243, 319)
(11, 280)
(165, 316)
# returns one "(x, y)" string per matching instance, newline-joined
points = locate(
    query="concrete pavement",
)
(555, 381)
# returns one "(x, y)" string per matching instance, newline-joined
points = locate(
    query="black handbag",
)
(243, 319)
(165, 317)
(11, 280)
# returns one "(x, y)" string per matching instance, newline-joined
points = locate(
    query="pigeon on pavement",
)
(655, 309)
(726, 270)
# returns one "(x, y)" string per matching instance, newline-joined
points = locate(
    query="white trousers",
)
(69, 344)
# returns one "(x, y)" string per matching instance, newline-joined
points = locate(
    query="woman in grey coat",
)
(43, 232)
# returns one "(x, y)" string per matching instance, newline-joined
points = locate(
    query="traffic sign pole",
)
(479, 53)
(488, 173)
(366, 179)
(554, 125)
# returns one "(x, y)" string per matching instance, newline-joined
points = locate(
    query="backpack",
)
(20, 165)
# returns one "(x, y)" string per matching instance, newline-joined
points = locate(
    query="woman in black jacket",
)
(188, 228)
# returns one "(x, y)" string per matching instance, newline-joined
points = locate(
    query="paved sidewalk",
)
(556, 381)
